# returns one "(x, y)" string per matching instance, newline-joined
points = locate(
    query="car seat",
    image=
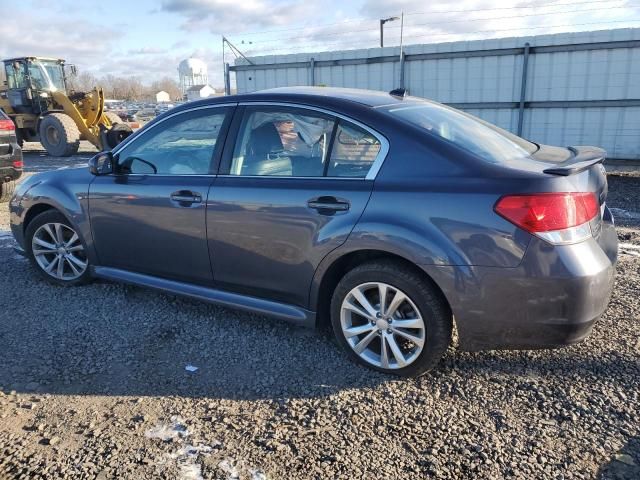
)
(264, 153)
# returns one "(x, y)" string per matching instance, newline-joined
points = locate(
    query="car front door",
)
(290, 189)
(149, 215)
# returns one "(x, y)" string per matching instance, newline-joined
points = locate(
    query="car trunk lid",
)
(576, 160)
(582, 166)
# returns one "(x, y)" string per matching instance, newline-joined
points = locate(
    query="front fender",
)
(64, 190)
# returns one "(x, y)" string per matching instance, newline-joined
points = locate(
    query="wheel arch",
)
(40, 195)
(326, 282)
(36, 210)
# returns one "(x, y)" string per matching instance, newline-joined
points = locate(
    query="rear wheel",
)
(390, 319)
(56, 249)
(6, 190)
(19, 137)
(59, 135)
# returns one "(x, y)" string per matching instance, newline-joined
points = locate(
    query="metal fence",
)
(562, 89)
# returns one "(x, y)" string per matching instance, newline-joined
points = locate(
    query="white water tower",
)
(192, 72)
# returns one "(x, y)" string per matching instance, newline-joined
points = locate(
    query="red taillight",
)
(546, 212)
(7, 125)
(18, 164)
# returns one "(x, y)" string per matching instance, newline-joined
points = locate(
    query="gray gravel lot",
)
(93, 385)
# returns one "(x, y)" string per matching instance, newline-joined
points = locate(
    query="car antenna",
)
(398, 92)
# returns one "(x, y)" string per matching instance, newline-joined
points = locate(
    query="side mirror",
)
(101, 164)
(74, 70)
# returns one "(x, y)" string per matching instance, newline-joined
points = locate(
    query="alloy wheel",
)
(58, 250)
(382, 325)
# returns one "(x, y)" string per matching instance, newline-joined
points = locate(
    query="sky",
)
(147, 38)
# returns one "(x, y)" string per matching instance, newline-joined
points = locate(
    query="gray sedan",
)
(385, 216)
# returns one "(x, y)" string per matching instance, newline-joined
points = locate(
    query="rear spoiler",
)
(583, 158)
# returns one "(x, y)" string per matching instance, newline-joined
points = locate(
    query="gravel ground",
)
(94, 384)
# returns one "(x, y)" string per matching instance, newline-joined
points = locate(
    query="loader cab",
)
(31, 80)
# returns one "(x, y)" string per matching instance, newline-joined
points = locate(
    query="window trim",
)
(234, 132)
(216, 156)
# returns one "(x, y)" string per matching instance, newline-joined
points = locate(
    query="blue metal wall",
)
(579, 74)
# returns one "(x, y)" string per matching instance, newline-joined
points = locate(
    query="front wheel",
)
(113, 117)
(117, 133)
(59, 135)
(390, 319)
(56, 249)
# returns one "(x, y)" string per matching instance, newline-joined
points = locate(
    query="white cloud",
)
(441, 21)
(83, 35)
(148, 51)
(219, 16)
(62, 39)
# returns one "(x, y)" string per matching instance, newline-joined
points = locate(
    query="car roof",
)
(370, 98)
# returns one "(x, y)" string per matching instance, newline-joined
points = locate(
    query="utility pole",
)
(401, 50)
(225, 65)
(382, 22)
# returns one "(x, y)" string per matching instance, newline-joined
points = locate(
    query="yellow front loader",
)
(36, 97)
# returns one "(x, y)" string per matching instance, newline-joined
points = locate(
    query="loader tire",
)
(113, 117)
(59, 135)
(118, 133)
(6, 190)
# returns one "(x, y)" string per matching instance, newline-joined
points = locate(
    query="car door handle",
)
(328, 204)
(184, 196)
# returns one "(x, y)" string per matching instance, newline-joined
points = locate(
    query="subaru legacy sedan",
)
(385, 216)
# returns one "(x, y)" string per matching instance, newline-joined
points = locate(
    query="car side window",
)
(182, 145)
(282, 142)
(354, 151)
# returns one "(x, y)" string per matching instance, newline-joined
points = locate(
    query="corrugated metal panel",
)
(597, 74)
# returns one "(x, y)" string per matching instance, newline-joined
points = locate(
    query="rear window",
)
(477, 136)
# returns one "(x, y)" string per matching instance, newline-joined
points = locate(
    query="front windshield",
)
(46, 75)
(483, 139)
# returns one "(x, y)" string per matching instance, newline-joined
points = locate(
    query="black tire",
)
(433, 309)
(6, 190)
(113, 117)
(59, 135)
(117, 134)
(53, 216)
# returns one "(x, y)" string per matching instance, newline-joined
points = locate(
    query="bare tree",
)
(124, 88)
(168, 85)
(84, 82)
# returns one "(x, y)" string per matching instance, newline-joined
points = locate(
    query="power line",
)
(274, 40)
(315, 45)
(434, 12)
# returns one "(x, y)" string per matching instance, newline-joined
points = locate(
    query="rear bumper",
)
(552, 299)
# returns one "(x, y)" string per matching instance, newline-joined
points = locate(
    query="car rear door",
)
(149, 216)
(291, 188)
